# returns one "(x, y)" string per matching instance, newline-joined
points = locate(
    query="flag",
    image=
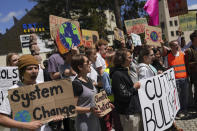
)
(152, 8)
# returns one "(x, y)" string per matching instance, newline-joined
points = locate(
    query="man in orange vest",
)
(176, 60)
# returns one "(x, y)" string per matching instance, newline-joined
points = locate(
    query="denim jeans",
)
(183, 92)
(106, 83)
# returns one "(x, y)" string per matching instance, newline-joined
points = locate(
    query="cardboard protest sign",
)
(42, 101)
(188, 22)
(177, 7)
(118, 34)
(135, 26)
(136, 39)
(159, 101)
(153, 35)
(89, 37)
(66, 32)
(55, 22)
(68, 35)
(8, 77)
(102, 103)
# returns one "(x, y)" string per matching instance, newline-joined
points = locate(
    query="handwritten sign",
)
(136, 39)
(177, 7)
(135, 26)
(89, 37)
(159, 101)
(118, 34)
(188, 22)
(153, 35)
(102, 102)
(8, 77)
(42, 101)
(68, 35)
(55, 22)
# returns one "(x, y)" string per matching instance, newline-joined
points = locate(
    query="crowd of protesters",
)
(115, 70)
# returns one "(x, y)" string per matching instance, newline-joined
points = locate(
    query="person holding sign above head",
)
(12, 59)
(84, 91)
(28, 71)
(125, 92)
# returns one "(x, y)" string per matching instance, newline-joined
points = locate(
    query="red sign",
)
(177, 7)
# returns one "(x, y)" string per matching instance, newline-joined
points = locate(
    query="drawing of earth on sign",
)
(154, 36)
(68, 35)
(22, 116)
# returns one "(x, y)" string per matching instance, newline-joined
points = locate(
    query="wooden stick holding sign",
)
(42, 101)
(153, 35)
(103, 103)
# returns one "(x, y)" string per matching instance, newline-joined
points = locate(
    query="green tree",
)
(90, 12)
(133, 9)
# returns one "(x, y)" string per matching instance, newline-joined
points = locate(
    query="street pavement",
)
(189, 122)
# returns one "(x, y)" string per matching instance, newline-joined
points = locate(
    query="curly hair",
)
(120, 57)
(8, 58)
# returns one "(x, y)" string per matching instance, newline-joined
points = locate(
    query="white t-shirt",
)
(100, 61)
(6, 109)
(40, 76)
(93, 74)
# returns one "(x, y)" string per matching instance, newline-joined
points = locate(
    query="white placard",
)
(8, 77)
(136, 39)
(159, 101)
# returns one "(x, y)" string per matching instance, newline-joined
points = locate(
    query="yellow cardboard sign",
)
(89, 37)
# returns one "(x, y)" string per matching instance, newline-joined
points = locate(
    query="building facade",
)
(170, 25)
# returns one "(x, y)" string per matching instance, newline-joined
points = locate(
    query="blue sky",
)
(10, 8)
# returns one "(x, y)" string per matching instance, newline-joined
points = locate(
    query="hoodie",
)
(145, 71)
(126, 98)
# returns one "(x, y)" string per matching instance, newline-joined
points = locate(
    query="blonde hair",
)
(8, 58)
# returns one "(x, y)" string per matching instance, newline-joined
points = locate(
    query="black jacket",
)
(126, 98)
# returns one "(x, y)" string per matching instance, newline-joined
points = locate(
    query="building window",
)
(172, 33)
(162, 25)
(177, 33)
(112, 18)
(175, 23)
(171, 24)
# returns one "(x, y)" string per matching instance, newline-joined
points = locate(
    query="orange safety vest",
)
(178, 63)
